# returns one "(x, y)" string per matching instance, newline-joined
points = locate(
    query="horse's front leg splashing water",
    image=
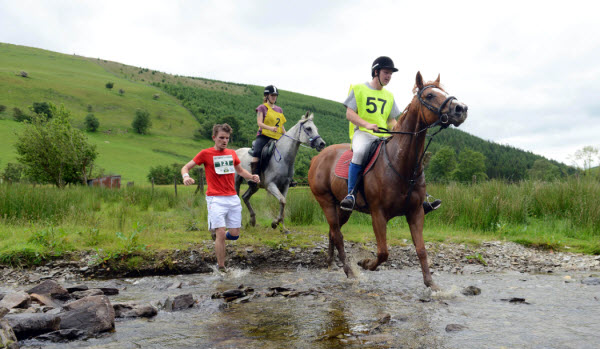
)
(280, 196)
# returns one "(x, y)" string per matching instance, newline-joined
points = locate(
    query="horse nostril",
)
(458, 109)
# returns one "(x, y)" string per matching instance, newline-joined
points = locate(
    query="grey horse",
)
(276, 176)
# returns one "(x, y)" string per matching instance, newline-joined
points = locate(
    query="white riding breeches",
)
(361, 143)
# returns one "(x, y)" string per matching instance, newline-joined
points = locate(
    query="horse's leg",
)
(342, 216)
(272, 188)
(238, 182)
(380, 229)
(282, 209)
(251, 190)
(415, 222)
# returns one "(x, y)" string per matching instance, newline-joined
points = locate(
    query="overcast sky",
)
(528, 70)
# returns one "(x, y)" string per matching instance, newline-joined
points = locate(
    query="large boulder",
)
(87, 293)
(28, 325)
(180, 302)
(93, 314)
(51, 288)
(16, 300)
(132, 309)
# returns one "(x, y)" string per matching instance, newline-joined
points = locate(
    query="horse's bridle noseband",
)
(312, 141)
(443, 119)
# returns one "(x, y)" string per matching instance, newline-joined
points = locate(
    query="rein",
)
(442, 120)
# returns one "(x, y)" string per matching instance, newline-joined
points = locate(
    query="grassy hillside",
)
(79, 84)
(184, 105)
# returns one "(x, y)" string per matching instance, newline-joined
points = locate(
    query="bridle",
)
(443, 121)
(311, 141)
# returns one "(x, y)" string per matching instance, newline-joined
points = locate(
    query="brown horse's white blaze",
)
(386, 187)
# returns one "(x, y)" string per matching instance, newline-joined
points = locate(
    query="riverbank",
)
(487, 257)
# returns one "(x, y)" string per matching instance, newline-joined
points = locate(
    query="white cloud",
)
(529, 70)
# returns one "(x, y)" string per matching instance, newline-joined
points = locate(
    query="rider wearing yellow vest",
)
(270, 120)
(369, 107)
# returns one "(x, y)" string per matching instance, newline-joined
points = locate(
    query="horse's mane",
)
(414, 101)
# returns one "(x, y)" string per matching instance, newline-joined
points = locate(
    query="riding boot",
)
(430, 206)
(354, 174)
(255, 169)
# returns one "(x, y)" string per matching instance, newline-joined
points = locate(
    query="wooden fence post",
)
(175, 183)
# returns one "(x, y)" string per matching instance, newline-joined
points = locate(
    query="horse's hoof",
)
(434, 287)
(274, 225)
(349, 272)
(364, 263)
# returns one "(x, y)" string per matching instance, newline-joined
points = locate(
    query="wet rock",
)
(180, 302)
(591, 281)
(87, 293)
(62, 336)
(132, 309)
(515, 300)
(77, 288)
(8, 339)
(31, 325)
(471, 291)
(51, 288)
(174, 285)
(93, 314)
(455, 327)
(16, 300)
(3, 311)
(109, 291)
(44, 300)
(1, 296)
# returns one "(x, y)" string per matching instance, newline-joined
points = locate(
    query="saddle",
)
(265, 154)
(343, 163)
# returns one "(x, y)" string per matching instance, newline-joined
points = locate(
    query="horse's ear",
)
(306, 115)
(419, 80)
(437, 81)
(311, 116)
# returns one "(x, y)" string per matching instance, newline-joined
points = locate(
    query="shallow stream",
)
(383, 309)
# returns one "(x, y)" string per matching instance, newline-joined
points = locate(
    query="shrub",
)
(13, 172)
(91, 123)
(43, 108)
(89, 108)
(142, 121)
(3, 108)
(24, 74)
(121, 91)
(19, 116)
(156, 96)
(109, 85)
(165, 174)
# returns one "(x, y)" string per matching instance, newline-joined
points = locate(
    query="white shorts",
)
(224, 212)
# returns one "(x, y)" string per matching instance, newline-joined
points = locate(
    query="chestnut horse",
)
(395, 185)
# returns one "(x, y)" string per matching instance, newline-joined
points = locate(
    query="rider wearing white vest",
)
(368, 107)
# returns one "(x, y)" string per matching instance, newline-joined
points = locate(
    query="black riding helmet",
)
(382, 62)
(272, 90)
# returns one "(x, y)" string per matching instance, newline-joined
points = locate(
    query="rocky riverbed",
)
(489, 257)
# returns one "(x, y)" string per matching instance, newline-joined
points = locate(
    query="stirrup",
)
(431, 206)
(348, 203)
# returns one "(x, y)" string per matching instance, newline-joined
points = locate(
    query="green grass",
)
(78, 82)
(40, 222)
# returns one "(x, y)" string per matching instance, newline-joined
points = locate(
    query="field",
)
(43, 222)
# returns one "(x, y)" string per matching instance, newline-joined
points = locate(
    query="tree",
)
(53, 151)
(19, 116)
(442, 164)
(91, 123)
(166, 174)
(584, 158)
(470, 163)
(142, 121)
(109, 85)
(543, 170)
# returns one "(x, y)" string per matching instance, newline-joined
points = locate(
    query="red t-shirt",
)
(220, 179)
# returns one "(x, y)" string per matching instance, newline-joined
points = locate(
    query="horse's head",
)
(309, 134)
(439, 107)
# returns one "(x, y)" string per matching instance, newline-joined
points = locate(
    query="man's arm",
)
(185, 173)
(354, 118)
(242, 172)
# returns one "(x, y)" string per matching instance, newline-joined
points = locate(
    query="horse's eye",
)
(429, 96)
(308, 129)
